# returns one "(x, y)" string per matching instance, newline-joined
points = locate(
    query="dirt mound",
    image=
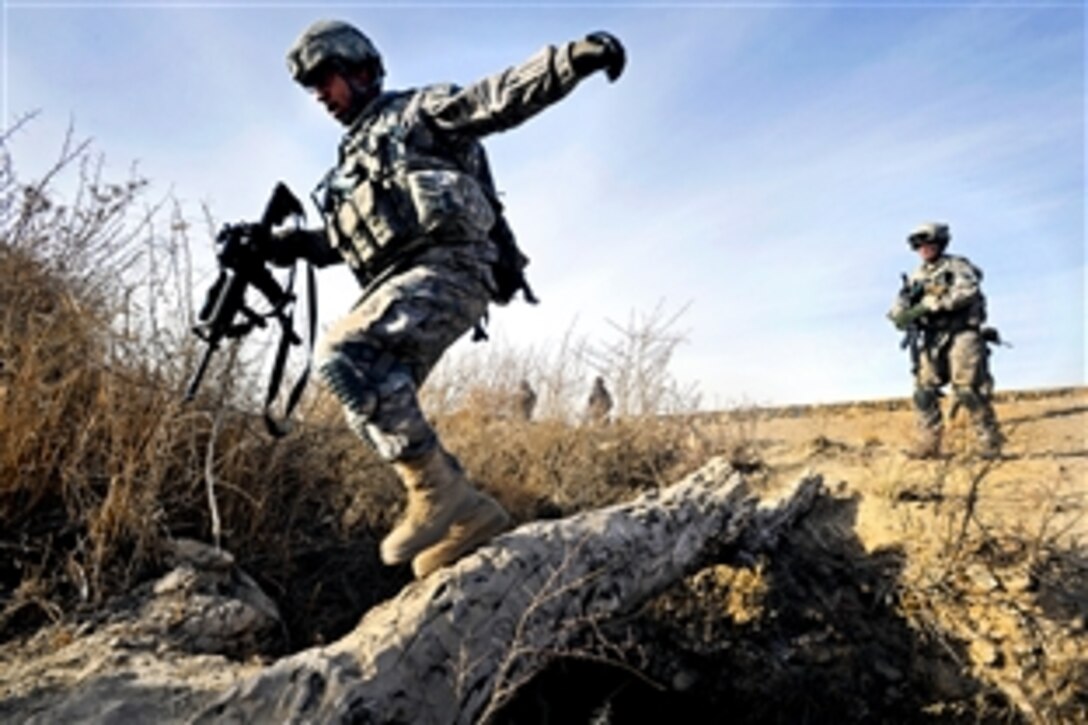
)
(953, 590)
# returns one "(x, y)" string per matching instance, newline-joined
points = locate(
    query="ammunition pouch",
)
(382, 219)
(449, 203)
(406, 187)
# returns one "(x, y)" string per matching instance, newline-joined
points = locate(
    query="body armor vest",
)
(954, 278)
(399, 187)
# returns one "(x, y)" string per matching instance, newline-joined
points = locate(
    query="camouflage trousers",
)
(377, 356)
(962, 359)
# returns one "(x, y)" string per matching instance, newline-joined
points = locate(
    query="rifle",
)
(242, 252)
(910, 295)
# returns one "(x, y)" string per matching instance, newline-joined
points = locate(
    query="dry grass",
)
(101, 464)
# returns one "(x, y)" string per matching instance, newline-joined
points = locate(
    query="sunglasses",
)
(919, 240)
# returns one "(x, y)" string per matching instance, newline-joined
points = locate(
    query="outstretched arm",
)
(506, 99)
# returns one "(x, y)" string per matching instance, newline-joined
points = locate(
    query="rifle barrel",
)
(194, 384)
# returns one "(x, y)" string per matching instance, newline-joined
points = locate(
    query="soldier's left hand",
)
(904, 318)
(599, 51)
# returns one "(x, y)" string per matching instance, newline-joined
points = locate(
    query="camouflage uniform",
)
(409, 207)
(412, 209)
(952, 348)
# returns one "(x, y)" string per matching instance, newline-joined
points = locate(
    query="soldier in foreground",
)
(942, 308)
(412, 209)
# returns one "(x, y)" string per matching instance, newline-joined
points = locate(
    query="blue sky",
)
(759, 162)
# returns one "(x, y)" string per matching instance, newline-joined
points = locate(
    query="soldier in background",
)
(412, 209)
(599, 405)
(943, 301)
(526, 400)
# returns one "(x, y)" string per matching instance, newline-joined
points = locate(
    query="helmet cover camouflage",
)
(928, 233)
(331, 40)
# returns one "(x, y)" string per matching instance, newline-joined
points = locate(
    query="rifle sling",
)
(276, 428)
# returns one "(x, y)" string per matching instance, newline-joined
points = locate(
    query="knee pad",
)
(926, 399)
(379, 398)
(351, 385)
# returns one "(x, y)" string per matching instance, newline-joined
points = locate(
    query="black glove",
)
(599, 51)
(282, 248)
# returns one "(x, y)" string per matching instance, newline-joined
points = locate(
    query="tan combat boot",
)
(437, 490)
(480, 518)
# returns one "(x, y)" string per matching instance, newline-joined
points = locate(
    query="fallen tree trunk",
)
(454, 647)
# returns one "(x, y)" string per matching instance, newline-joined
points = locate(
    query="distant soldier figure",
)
(942, 309)
(599, 405)
(412, 209)
(526, 400)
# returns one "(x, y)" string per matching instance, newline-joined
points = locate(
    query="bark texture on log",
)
(451, 647)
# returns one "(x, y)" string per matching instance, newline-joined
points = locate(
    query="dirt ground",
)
(995, 552)
(1038, 488)
(947, 590)
(1035, 494)
(952, 589)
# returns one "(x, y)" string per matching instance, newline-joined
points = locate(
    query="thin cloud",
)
(762, 164)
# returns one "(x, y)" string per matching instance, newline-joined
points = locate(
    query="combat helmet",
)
(331, 41)
(928, 233)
